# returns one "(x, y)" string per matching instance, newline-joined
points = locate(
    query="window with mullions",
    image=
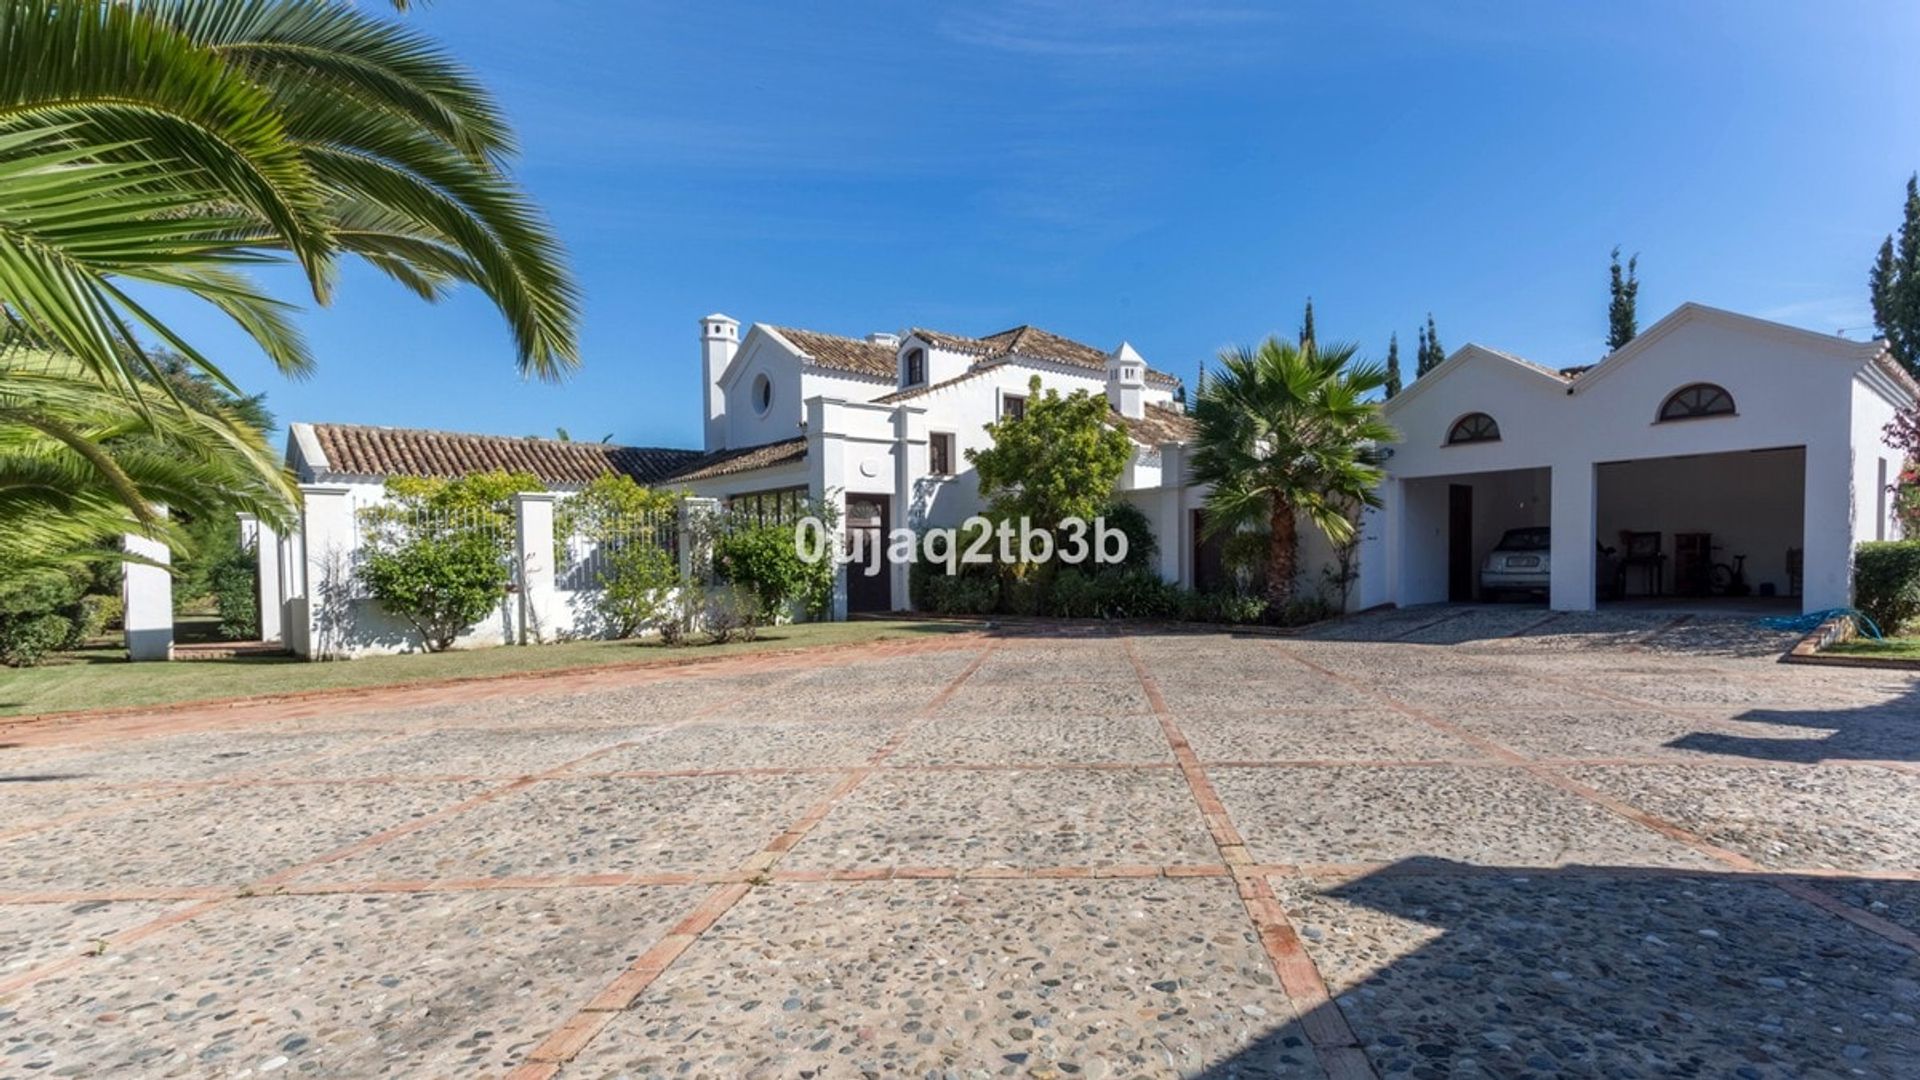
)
(1696, 401)
(1473, 428)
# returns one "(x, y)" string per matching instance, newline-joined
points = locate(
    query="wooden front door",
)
(1209, 562)
(1460, 542)
(869, 578)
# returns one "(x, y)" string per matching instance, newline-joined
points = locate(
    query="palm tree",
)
(179, 143)
(1285, 431)
(80, 463)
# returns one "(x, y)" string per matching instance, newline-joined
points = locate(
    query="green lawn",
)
(1901, 648)
(102, 678)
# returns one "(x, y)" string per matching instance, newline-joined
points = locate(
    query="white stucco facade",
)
(1797, 464)
(871, 411)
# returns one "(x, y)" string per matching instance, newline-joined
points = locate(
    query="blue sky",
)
(1178, 176)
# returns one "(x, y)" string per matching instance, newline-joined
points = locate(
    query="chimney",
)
(891, 341)
(1127, 382)
(719, 340)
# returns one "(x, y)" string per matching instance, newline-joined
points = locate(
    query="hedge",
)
(1886, 583)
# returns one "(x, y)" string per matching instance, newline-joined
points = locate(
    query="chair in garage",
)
(1641, 550)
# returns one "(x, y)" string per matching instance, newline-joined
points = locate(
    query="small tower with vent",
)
(1127, 382)
(719, 340)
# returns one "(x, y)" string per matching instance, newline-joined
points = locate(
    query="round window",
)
(762, 393)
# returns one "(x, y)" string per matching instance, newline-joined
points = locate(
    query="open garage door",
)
(1702, 526)
(1454, 523)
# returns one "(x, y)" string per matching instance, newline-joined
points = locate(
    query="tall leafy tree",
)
(1894, 285)
(1288, 431)
(1392, 384)
(1622, 290)
(1306, 324)
(1061, 458)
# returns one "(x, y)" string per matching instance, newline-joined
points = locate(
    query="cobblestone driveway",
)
(1440, 842)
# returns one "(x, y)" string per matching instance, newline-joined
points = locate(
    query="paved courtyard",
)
(1433, 842)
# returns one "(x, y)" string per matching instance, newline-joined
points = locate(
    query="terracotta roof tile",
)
(1161, 424)
(843, 353)
(1030, 341)
(360, 451)
(742, 459)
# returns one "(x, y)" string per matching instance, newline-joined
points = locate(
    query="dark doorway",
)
(1459, 542)
(869, 578)
(1209, 556)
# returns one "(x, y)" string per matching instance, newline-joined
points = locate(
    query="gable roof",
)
(841, 353)
(1464, 355)
(741, 459)
(1692, 312)
(341, 451)
(1031, 342)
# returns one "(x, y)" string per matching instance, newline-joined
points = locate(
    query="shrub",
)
(763, 560)
(230, 580)
(440, 582)
(93, 616)
(1886, 583)
(1222, 606)
(37, 615)
(1303, 610)
(638, 583)
(1143, 548)
(731, 613)
(437, 552)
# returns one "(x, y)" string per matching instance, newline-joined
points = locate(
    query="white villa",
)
(883, 423)
(1711, 438)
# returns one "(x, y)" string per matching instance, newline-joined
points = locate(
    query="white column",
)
(1169, 519)
(533, 556)
(147, 591)
(329, 539)
(1827, 527)
(910, 465)
(1378, 554)
(695, 555)
(1574, 520)
(826, 467)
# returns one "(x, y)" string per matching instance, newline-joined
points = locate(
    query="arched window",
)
(1695, 401)
(1473, 427)
(914, 368)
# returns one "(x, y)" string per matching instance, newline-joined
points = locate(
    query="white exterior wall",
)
(1791, 388)
(1874, 459)
(742, 423)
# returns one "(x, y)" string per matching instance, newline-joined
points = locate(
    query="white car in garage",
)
(1520, 562)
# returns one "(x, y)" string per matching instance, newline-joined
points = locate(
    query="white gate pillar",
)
(1574, 520)
(533, 561)
(147, 592)
(328, 540)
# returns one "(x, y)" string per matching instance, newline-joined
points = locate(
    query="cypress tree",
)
(1306, 326)
(1894, 285)
(1430, 355)
(1393, 365)
(1622, 323)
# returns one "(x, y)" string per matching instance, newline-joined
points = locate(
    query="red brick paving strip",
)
(221, 713)
(287, 874)
(1320, 1016)
(1871, 923)
(573, 1035)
